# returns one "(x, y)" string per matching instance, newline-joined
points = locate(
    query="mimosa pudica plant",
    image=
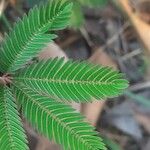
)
(42, 90)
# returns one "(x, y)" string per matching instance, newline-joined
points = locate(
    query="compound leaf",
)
(77, 81)
(12, 135)
(29, 34)
(57, 121)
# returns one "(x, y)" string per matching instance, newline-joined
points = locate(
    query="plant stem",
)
(2, 81)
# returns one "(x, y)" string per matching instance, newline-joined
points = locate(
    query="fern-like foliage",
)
(72, 80)
(29, 34)
(12, 135)
(42, 88)
(57, 121)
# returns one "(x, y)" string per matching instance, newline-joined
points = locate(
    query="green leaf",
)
(95, 3)
(12, 135)
(29, 34)
(69, 80)
(57, 121)
(77, 18)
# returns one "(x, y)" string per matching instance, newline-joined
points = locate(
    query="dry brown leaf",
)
(2, 6)
(142, 28)
(13, 2)
(141, 8)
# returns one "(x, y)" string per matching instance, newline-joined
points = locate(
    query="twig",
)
(86, 36)
(141, 27)
(112, 39)
(69, 41)
(131, 54)
(140, 86)
(2, 6)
